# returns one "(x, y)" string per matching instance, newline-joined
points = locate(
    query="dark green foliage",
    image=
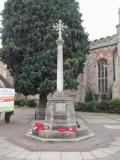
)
(115, 105)
(115, 102)
(96, 96)
(29, 43)
(79, 106)
(89, 96)
(102, 106)
(90, 106)
(20, 102)
(104, 97)
(105, 106)
(23, 102)
(31, 103)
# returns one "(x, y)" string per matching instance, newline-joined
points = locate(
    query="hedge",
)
(104, 106)
(23, 102)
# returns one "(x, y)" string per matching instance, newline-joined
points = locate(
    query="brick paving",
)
(105, 145)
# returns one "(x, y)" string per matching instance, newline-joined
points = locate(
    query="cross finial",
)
(60, 27)
(119, 15)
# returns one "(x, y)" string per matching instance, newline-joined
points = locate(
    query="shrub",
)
(102, 106)
(89, 96)
(20, 102)
(115, 102)
(31, 103)
(79, 106)
(115, 106)
(116, 110)
(96, 97)
(90, 106)
(104, 97)
(112, 106)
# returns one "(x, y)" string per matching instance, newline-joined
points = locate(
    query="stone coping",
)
(102, 42)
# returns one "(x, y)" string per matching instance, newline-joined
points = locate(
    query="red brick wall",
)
(92, 66)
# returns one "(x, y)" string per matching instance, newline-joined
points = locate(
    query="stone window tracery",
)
(102, 77)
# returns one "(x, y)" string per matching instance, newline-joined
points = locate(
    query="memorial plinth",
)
(60, 111)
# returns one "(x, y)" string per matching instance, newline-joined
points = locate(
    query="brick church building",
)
(101, 72)
(102, 66)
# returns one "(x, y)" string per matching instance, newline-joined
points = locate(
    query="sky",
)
(100, 17)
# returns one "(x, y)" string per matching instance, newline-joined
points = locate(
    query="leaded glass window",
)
(102, 77)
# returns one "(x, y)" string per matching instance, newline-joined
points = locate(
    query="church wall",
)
(6, 74)
(9, 78)
(2, 69)
(2, 72)
(91, 73)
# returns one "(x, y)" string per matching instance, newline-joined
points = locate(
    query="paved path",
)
(14, 145)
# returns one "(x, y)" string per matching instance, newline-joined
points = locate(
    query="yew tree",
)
(29, 44)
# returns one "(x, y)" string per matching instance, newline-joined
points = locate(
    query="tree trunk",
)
(42, 100)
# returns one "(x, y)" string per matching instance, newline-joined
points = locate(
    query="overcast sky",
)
(100, 17)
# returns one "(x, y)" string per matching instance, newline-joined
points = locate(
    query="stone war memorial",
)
(60, 120)
(60, 108)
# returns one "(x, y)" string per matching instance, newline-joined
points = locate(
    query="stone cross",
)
(60, 27)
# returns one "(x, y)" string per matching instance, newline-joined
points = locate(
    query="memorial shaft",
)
(60, 66)
(60, 27)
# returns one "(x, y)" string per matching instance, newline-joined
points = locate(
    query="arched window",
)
(102, 77)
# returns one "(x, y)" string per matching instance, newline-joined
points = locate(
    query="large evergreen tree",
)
(29, 47)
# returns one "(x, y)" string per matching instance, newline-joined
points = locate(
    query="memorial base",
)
(60, 111)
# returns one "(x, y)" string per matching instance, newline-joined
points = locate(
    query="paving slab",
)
(6, 152)
(88, 156)
(23, 155)
(111, 150)
(101, 121)
(33, 156)
(71, 156)
(14, 154)
(50, 156)
(98, 154)
(112, 126)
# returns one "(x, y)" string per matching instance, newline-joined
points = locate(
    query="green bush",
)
(20, 102)
(31, 103)
(79, 106)
(90, 106)
(115, 106)
(106, 106)
(23, 102)
(115, 102)
(116, 110)
(86, 107)
(104, 97)
(89, 96)
(102, 106)
(96, 97)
